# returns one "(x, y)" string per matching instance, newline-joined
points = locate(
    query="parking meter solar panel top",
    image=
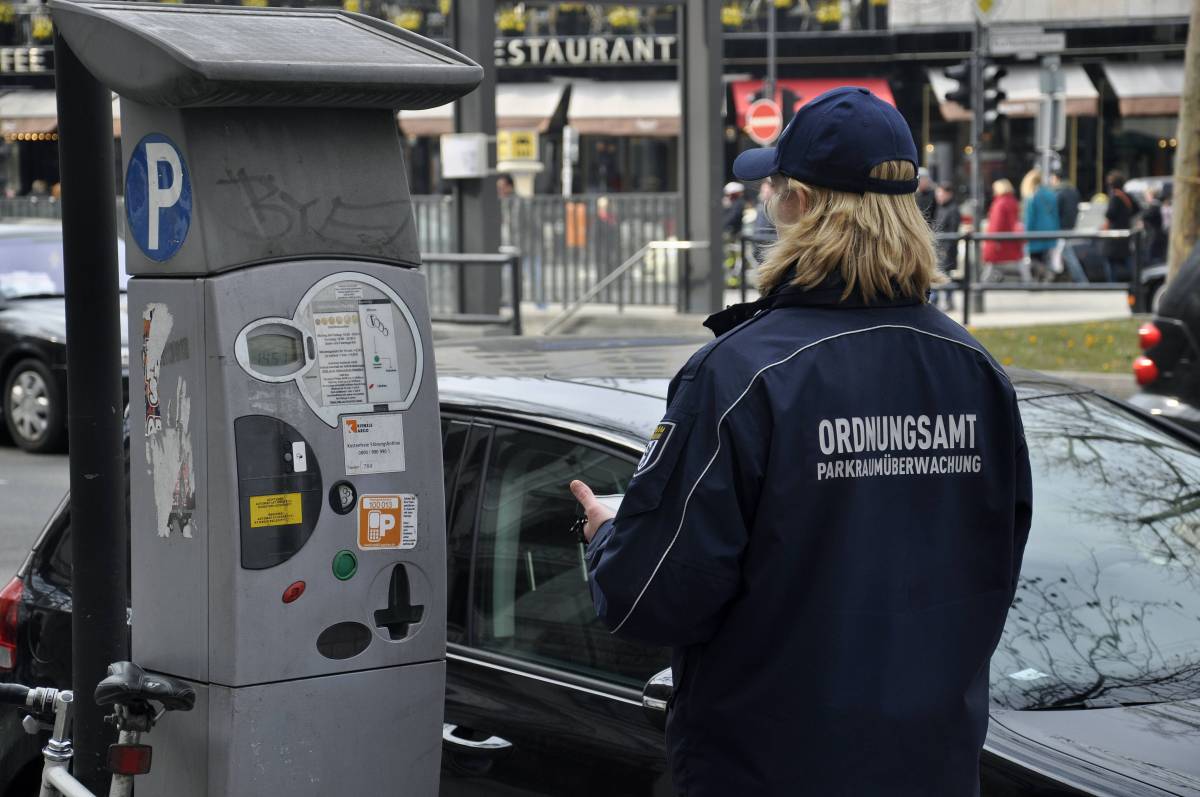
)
(197, 56)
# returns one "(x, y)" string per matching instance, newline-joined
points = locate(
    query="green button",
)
(345, 565)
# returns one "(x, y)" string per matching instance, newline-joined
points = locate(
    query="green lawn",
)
(1091, 346)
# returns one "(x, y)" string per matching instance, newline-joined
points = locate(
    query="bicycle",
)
(131, 691)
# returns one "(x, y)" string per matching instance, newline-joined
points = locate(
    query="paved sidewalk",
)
(1003, 309)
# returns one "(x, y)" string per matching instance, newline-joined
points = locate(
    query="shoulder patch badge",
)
(655, 447)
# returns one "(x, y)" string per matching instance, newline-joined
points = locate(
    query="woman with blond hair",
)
(1041, 215)
(1001, 256)
(828, 522)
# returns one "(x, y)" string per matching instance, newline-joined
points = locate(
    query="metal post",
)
(100, 544)
(702, 156)
(476, 206)
(772, 74)
(975, 260)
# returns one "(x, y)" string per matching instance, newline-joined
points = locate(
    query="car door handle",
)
(493, 744)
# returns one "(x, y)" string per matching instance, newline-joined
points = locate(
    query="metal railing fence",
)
(567, 244)
(446, 273)
(968, 280)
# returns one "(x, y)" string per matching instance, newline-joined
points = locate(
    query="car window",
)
(463, 486)
(1107, 610)
(531, 595)
(54, 564)
(33, 265)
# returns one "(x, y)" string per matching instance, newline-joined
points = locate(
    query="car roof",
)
(31, 228)
(616, 386)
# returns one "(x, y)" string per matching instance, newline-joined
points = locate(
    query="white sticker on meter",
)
(340, 353)
(379, 351)
(373, 443)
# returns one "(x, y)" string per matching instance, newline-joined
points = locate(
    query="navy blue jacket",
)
(827, 528)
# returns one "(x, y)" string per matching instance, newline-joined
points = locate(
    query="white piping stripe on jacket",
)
(738, 400)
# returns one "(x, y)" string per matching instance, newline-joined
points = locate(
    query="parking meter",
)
(287, 538)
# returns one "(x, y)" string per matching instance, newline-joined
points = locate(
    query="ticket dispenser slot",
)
(281, 505)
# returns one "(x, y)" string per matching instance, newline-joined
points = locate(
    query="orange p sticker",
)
(387, 521)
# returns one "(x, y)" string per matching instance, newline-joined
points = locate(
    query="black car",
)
(1169, 368)
(1095, 684)
(33, 332)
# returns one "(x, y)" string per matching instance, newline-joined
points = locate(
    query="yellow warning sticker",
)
(282, 509)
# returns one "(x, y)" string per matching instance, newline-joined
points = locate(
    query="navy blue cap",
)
(834, 141)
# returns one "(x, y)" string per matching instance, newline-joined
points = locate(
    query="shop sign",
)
(26, 59)
(517, 145)
(585, 50)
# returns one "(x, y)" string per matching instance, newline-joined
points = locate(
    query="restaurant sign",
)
(585, 50)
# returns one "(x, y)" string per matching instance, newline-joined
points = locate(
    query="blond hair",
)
(880, 243)
(1031, 182)
(1002, 186)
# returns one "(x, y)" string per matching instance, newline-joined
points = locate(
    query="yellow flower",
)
(1007, 361)
(353, 6)
(1110, 340)
(1033, 339)
(1089, 340)
(1070, 343)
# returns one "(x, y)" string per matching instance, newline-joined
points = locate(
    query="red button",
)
(294, 591)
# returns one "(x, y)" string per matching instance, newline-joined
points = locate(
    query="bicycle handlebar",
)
(14, 694)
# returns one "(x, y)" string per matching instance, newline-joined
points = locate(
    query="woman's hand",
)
(596, 512)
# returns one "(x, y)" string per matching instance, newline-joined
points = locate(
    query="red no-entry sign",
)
(764, 122)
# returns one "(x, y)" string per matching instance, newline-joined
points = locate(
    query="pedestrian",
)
(946, 221)
(1068, 216)
(926, 201)
(1001, 256)
(1041, 215)
(828, 523)
(732, 208)
(763, 227)
(1153, 226)
(1119, 215)
(504, 186)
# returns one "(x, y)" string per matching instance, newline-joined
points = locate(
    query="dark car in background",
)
(1169, 368)
(1095, 684)
(33, 334)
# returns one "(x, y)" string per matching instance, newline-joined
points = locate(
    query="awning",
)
(625, 108)
(1147, 89)
(519, 106)
(805, 89)
(1023, 85)
(28, 112)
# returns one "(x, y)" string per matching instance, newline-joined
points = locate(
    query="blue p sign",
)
(158, 197)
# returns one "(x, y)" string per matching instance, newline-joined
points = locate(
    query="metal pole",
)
(702, 155)
(772, 73)
(100, 544)
(974, 261)
(476, 204)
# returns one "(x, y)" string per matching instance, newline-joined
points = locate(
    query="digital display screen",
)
(275, 350)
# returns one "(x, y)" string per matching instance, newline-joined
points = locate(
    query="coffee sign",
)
(585, 50)
(21, 60)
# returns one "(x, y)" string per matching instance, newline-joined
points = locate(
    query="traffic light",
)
(993, 95)
(787, 104)
(962, 74)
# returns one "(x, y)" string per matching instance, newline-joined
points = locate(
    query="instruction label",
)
(387, 521)
(373, 443)
(282, 509)
(379, 350)
(348, 292)
(340, 352)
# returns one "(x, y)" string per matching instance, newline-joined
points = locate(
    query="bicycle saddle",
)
(128, 684)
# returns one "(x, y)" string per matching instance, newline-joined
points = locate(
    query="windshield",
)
(33, 266)
(1107, 610)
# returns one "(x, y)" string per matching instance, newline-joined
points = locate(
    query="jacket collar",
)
(827, 294)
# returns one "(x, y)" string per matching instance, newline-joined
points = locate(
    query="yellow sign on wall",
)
(517, 145)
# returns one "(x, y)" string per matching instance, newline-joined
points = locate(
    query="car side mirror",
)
(656, 694)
